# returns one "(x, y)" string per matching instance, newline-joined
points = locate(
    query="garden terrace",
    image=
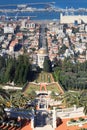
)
(43, 77)
(36, 87)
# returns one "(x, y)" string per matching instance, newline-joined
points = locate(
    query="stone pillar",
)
(32, 122)
(54, 118)
(47, 104)
(38, 105)
(74, 107)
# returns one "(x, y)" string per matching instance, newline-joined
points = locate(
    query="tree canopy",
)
(47, 65)
(72, 76)
(15, 70)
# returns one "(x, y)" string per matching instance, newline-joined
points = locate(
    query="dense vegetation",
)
(71, 75)
(15, 99)
(17, 70)
(47, 67)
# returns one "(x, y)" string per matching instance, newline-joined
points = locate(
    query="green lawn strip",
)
(44, 77)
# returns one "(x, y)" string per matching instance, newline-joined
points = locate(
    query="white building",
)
(42, 53)
(69, 31)
(86, 28)
(82, 28)
(57, 28)
(23, 24)
(8, 29)
(72, 19)
(68, 52)
(30, 25)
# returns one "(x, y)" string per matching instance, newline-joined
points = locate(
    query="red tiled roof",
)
(19, 34)
(13, 43)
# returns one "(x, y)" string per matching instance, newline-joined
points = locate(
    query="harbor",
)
(37, 11)
(28, 8)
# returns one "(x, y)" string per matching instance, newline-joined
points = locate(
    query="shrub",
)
(58, 121)
(72, 120)
(81, 119)
(82, 129)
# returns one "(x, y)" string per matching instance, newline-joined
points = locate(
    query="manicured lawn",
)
(32, 87)
(44, 77)
(36, 87)
(53, 87)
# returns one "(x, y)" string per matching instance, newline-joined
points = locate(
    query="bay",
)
(43, 15)
(59, 3)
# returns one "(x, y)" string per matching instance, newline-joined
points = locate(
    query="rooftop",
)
(42, 51)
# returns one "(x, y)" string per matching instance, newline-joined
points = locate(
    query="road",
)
(42, 39)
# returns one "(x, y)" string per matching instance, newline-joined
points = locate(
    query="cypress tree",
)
(47, 66)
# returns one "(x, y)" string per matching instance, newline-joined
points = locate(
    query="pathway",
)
(43, 121)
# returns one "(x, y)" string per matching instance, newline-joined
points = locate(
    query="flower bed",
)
(77, 122)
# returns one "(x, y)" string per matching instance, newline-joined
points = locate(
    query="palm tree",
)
(55, 96)
(75, 98)
(32, 95)
(66, 99)
(4, 97)
(18, 99)
(2, 113)
(4, 94)
(85, 109)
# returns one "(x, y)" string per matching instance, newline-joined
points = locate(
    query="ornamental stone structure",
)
(42, 54)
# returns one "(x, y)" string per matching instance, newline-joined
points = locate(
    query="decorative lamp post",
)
(54, 118)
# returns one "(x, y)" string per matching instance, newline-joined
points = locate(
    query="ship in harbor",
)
(22, 5)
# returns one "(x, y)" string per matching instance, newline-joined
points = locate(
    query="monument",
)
(42, 54)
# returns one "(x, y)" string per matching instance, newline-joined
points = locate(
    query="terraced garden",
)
(46, 78)
(36, 87)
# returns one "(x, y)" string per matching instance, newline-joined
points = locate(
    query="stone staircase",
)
(46, 127)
